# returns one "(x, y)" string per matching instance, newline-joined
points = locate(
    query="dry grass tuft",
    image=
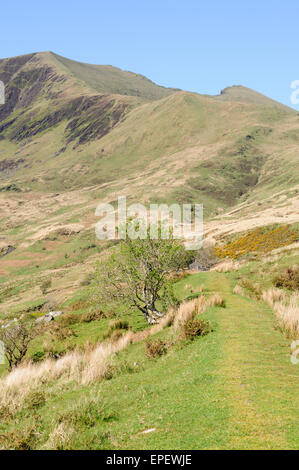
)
(88, 365)
(216, 301)
(188, 310)
(226, 266)
(238, 290)
(60, 438)
(273, 295)
(83, 367)
(286, 310)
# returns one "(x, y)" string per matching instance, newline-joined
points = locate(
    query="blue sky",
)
(200, 46)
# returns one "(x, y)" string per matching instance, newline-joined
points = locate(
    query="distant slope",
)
(108, 79)
(246, 95)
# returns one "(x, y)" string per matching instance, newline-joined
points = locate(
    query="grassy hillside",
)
(73, 135)
(226, 390)
(108, 79)
(246, 95)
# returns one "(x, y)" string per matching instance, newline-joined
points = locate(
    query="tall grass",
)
(90, 365)
(188, 310)
(84, 368)
(238, 290)
(286, 310)
(226, 266)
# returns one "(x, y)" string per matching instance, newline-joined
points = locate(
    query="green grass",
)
(232, 389)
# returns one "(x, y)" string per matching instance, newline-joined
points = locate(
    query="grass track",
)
(234, 389)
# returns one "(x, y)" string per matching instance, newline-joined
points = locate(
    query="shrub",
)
(115, 335)
(45, 286)
(37, 356)
(156, 349)
(78, 305)
(35, 400)
(88, 317)
(217, 301)
(87, 414)
(68, 319)
(19, 439)
(194, 328)
(254, 289)
(119, 325)
(238, 290)
(60, 331)
(289, 279)
(259, 240)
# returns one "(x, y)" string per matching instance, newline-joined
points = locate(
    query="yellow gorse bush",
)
(259, 240)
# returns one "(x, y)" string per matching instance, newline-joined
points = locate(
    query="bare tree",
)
(16, 340)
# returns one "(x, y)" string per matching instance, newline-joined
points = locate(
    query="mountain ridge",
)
(58, 133)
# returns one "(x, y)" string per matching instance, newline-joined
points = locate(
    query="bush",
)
(35, 400)
(259, 240)
(289, 279)
(217, 301)
(38, 356)
(87, 414)
(60, 332)
(254, 289)
(68, 319)
(156, 348)
(78, 305)
(119, 325)
(45, 286)
(194, 328)
(92, 316)
(19, 439)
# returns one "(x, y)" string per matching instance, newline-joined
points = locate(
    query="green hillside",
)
(246, 95)
(73, 135)
(108, 79)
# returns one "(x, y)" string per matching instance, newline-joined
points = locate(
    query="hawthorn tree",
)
(137, 274)
(16, 340)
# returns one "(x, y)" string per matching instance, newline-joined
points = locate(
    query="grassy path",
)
(261, 383)
(233, 389)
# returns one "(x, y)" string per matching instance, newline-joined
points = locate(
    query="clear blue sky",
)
(195, 45)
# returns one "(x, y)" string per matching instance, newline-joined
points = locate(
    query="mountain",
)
(74, 134)
(246, 95)
(66, 125)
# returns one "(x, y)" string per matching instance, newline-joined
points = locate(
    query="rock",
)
(49, 317)
(5, 249)
(55, 314)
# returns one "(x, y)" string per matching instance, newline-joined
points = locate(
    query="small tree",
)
(16, 340)
(136, 275)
